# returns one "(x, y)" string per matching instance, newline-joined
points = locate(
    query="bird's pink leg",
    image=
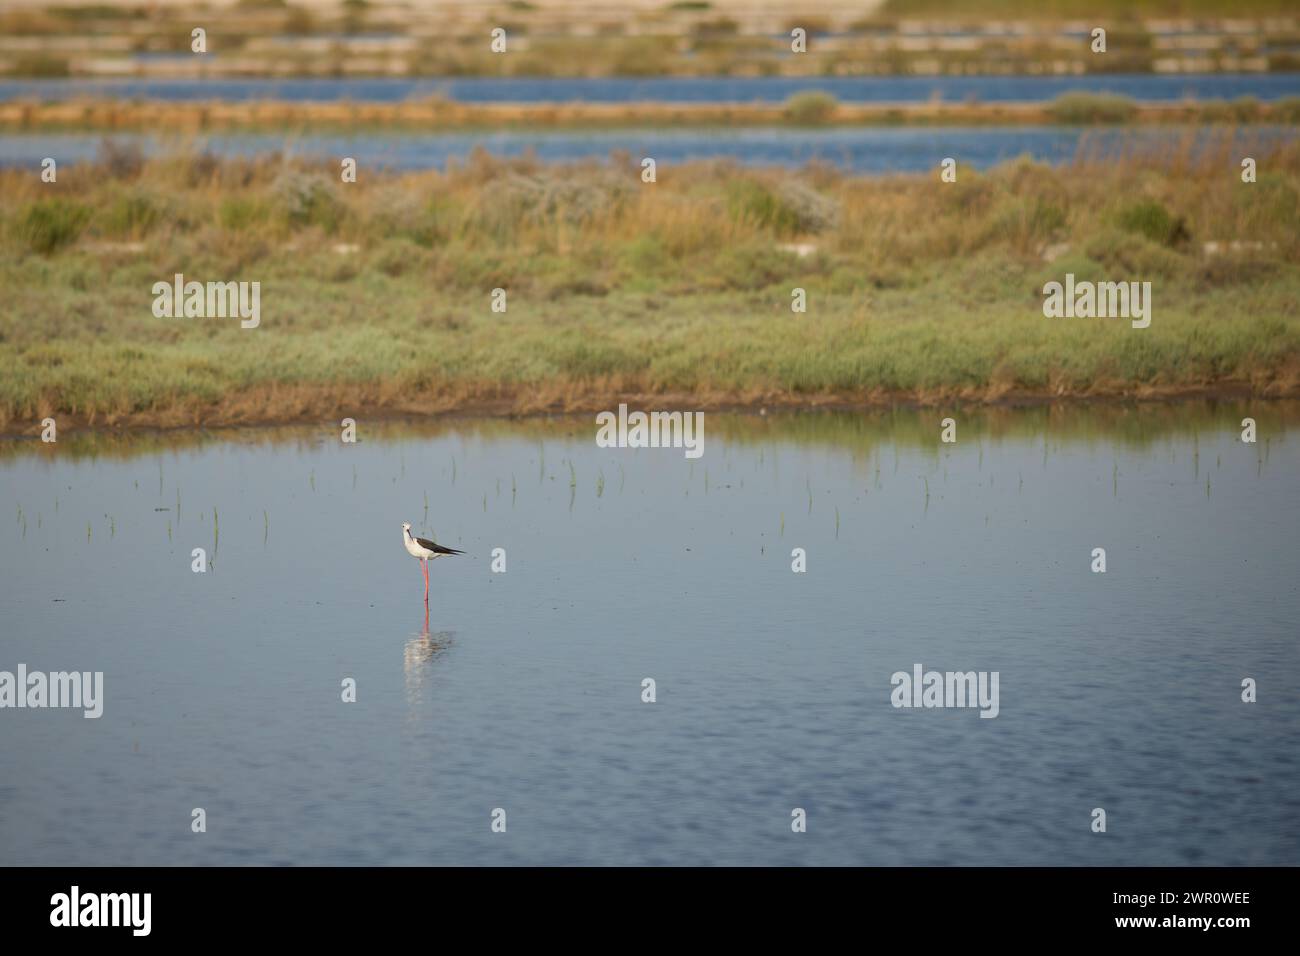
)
(425, 562)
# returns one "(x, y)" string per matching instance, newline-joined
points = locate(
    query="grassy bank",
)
(376, 296)
(810, 109)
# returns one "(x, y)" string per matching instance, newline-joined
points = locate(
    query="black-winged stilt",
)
(424, 549)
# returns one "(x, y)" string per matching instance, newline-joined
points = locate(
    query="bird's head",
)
(406, 526)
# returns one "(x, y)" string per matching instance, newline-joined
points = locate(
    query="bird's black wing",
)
(436, 548)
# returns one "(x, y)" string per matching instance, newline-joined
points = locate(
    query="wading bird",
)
(424, 549)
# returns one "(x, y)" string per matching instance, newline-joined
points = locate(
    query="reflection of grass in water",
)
(863, 432)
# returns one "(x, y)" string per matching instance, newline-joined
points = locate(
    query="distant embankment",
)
(804, 109)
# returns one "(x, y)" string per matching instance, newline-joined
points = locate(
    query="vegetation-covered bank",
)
(809, 109)
(376, 296)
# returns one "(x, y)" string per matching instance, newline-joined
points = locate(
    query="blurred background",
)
(645, 37)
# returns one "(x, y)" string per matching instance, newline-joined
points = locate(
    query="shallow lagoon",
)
(667, 89)
(523, 690)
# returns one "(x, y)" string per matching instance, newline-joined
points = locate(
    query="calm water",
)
(876, 89)
(523, 691)
(861, 150)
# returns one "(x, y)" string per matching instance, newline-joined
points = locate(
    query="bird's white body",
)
(417, 550)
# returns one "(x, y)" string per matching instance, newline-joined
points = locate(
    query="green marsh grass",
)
(677, 292)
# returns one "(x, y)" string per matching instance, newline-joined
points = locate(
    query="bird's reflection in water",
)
(418, 658)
